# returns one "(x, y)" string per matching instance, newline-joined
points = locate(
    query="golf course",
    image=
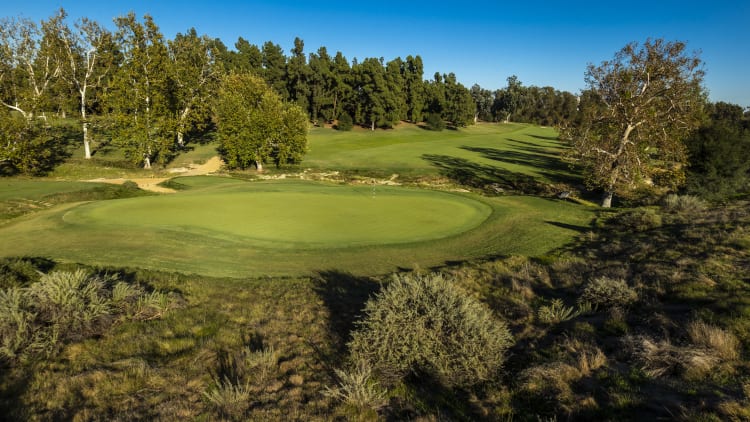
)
(219, 225)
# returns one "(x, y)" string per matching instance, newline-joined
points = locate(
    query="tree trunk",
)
(86, 144)
(259, 166)
(372, 126)
(180, 139)
(147, 163)
(607, 199)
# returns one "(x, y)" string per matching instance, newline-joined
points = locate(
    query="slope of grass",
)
(412, 152)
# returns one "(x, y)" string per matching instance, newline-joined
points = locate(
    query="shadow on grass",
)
(490, 179)
(345, 296)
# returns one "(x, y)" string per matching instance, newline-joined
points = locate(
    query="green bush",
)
(345, 122)
(683, 203)
(608, 292)
(640, 219)
(434, 122)
(427, 325)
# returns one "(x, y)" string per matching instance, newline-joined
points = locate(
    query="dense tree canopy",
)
(644, 102)
(255, 126)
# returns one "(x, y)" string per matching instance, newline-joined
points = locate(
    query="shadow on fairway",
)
(345, 296)
(544, 162)
(488, 178)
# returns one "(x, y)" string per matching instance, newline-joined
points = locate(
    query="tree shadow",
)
(491, 179)
(345, 296)
(579, 229)
(544, 162)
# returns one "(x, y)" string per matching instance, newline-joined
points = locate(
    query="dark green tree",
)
(256, 127)
(415, 90)
(274, 68)
(297, 76)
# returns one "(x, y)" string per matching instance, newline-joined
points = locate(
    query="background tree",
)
(29, 62)
(196, 74)
(139, 96)
(414, 85)
(647, 100)
(719, 154)
(87, 59)
(255, 126)
(508, 100)
(482, 102)
(297, 75)
(274, 68)
(459, 106)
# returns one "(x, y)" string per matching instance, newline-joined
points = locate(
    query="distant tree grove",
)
(150, 96)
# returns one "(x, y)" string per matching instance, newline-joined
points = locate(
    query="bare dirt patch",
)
(152, 183)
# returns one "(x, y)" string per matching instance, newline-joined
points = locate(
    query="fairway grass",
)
(240, 229)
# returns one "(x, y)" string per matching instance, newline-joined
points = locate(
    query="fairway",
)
(293, 215)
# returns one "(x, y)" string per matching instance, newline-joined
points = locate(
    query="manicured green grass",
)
(412, 151)
(36, 189)
(292, 228)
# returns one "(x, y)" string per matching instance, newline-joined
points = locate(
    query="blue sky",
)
(484, 42)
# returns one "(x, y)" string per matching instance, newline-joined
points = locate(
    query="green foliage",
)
(345, 122)
(640, 219)
(255, 126)
(435, 122)
(608, 292)
(557, 312)
(687, 204)
(427, 325)
(718, 166)
(27, 146)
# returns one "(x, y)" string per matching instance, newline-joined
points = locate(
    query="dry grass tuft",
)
(724, 344)
(659, 359)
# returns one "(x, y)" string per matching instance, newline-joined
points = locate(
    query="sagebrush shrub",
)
(683, 203)
(357, 388)
(426, 324)
(608, 292)
(641, 219)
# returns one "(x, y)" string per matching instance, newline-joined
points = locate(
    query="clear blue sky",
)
(484, 42)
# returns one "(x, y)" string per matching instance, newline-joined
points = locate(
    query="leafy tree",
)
(247, 58)
(719, 151)
(378, 102)
(508, 100)
(87, 59)
(26, 146)
(414, 86)
(297, 75)
(646, 101)
(255, 126)
(195, 78)
(29, 63)
(459, 105)
(140, 96)
(274, 68)
(483, 102)
(321, 81)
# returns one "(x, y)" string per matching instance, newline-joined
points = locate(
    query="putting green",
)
(300, 215)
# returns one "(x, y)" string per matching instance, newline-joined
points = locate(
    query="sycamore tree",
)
(641, 106)
(255, 126)
(87, 58)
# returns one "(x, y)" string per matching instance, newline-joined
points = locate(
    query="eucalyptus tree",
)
(414, 86)
(87, 60)
(274, 68)
(297, 75)
(483, 100)
(646, 100)
(459, 106)
(139, 95)
(255, 126)
(195, 74)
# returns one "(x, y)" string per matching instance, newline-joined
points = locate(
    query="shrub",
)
(357, 388)
(662, 358)
(556, 312)
(683, 203)
(426, 324)
(434, 122)
(345, 122)
(608, 292)
(640, 219)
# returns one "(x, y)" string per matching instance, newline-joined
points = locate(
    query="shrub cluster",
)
(64, 306)
(607, 292)
(426, 325)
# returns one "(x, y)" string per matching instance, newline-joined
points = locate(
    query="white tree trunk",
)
(259, 166)
(180, 139)
(607, 200)
(86, 144)
(147, 163)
